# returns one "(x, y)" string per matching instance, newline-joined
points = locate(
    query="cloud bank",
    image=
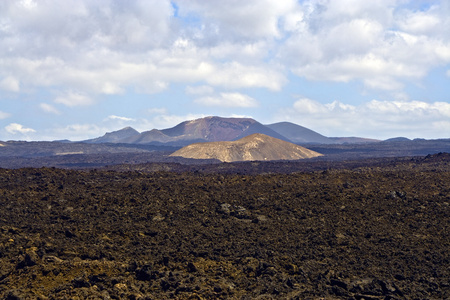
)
(376, 117)
(105, 47)
(222, 54)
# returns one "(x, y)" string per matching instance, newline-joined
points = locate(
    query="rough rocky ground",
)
(371, 232)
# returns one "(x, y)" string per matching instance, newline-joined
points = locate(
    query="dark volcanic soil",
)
(362, 233)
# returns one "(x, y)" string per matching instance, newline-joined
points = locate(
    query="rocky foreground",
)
(360, 233)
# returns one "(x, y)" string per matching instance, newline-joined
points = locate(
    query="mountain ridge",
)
(115, 136)
(214, 129)
(298, 134)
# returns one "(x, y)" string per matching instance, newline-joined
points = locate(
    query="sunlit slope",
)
(253, 147)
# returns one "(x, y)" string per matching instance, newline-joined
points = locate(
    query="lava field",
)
(368, 232)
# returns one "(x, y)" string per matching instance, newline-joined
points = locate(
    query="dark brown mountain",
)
(209, 129)
(250, 148)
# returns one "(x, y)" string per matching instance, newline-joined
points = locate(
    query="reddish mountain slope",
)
(209, 129)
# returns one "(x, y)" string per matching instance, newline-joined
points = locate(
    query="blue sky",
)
(76, 69)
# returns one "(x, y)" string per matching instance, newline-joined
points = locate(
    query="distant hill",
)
(148, 137)
(351, 140)
(253, 147)
(302, 135)
(299, 134)
(397, 139)
(115, 136)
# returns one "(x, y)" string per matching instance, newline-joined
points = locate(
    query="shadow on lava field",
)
(362, 233)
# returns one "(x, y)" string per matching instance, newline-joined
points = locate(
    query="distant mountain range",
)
(128, 146)
(215, 129)
(253, 147)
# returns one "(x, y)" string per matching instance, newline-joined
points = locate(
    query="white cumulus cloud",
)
(107, 47)
(237, 75)
(3, 115)
(374, 119)
(49, 108)
(199, 90)
(82, 50)
(10, 84)
(119, 118)
(74, 99)
(158, 110)
(15, 128)
(228, 100)
(78, 132)
(370, 41)
(249, 19)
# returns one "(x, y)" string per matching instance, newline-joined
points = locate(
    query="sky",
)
(76, 69)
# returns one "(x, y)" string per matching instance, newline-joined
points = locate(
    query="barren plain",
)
(361, 230)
